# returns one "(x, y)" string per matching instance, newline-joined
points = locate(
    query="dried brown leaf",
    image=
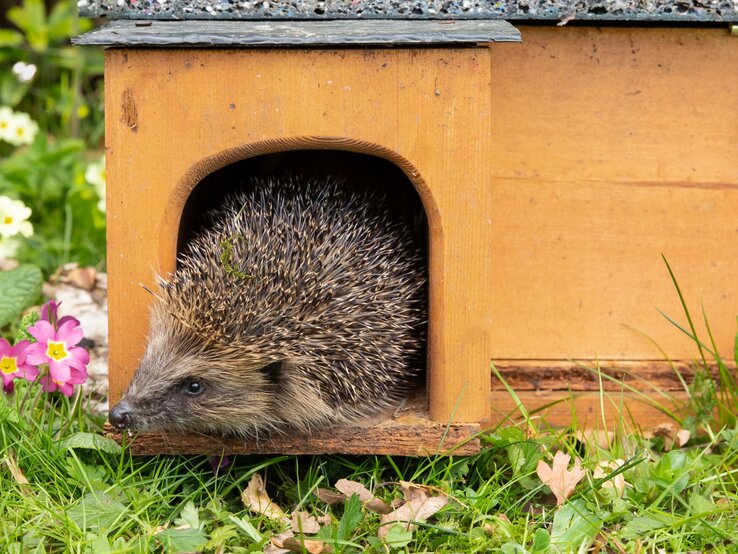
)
(350, 488)
(271, 549)
(325, 519)
(378, 506)
(303, 522)
(559, 478)
(83, 277)
(347, 489)
(419, 507)
(15, 470)
(256, 499)
(682, 437)
(330, 497)
(301, 544)
(278, 540)
(617, 482)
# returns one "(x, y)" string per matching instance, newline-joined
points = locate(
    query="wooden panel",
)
(610, 147)
(172, 113)
(584, 410)
(407, 432)
(651, 376)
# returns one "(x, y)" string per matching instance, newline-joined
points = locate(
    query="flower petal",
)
(42, 331)
(47, 384)
(70, 333)
(59, 371)
(67, 389)
(66, 318)
(5, 348)
(28, 372)
(49, 310)
(19, 351)
(80, 355)
(36, 354)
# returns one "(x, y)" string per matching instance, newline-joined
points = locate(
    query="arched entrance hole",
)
(356, 170)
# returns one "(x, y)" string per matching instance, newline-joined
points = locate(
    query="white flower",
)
(6, 120)
(8, 248)
(23, 129)
(95, 175)
(13, 218)
(24, 71)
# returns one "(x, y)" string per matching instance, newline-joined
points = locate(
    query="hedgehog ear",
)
(273, 371)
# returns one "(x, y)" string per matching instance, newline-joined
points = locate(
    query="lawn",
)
(65, 487)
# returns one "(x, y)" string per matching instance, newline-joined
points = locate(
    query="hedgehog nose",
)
(120, 415)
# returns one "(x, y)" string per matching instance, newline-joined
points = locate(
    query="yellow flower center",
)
(8, 365)
(19, 131)
(7, 220)
(3, 124)
(57, 350)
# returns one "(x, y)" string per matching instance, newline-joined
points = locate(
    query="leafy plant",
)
(20, 288)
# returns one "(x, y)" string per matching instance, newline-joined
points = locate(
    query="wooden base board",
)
(611, 375)
(404, 432)
(409, 432)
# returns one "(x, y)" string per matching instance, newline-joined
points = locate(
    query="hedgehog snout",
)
(120, 416)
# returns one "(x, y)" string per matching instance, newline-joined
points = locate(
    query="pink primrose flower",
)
(14, 363)
(49, 312)
(58, 348)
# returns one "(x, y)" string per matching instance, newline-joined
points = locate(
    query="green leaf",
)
(351, 518)
(12, 91)
(90, 477)
(96, 510)
(574, 525)
(189, 516)
(91, 441)
(62, 21)
(31, 18)
(398, 536)
(27, 321)
(512, 548)
(247, 528)
(182, 540)
(20, 288)
(9, 37)
(541, 541)
(646, 524)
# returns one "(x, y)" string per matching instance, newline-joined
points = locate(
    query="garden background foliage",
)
(51, 96)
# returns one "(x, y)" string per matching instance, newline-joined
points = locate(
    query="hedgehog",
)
(303, 304)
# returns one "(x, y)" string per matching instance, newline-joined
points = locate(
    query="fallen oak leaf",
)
(347, 489)
(616, 482)
(256, 499)
(418, 508)
(303, 522)
(561, 480)
(409, 491)
(301, 544)
(330, 497)
(277, 541)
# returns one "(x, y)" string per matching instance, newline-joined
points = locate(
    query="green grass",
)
(65, 488)
(84, 495)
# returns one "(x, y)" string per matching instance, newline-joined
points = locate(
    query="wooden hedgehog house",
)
(552, 174)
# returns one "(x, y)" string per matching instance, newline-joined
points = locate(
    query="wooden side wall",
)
(611, 146)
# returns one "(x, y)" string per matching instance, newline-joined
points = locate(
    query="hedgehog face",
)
(183, 384)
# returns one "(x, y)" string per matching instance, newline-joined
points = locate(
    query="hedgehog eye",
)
(194, 388)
